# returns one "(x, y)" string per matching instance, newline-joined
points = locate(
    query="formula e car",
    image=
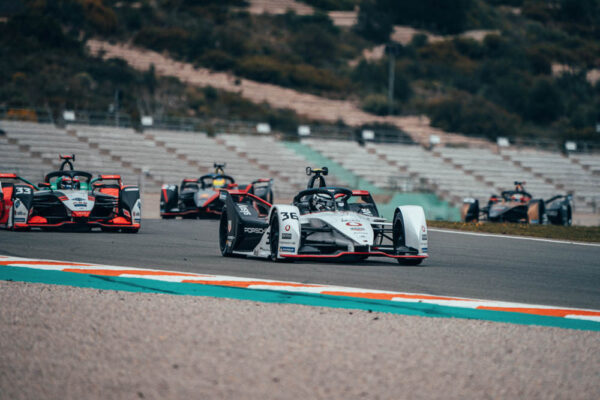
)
(322, 223)
(520, 206)
(73, 199)
(199, 198)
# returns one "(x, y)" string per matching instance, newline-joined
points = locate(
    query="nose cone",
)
(357, 229)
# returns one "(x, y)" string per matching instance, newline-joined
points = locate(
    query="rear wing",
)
(112, 177)
(262, 182)
(239, 196)
(17, 178)
(566, 197)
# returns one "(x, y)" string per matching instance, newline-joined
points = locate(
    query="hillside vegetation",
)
(501, 86)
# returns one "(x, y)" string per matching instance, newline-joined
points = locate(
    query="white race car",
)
(321, 223)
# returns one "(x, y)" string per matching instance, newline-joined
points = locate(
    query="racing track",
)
(494, 268)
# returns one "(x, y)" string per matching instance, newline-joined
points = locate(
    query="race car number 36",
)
(287, 215)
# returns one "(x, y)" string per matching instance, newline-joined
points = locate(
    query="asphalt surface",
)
(490, 268)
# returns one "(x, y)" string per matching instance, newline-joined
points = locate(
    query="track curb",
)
(177, 283)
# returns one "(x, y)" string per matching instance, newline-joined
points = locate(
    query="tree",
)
(544, 102)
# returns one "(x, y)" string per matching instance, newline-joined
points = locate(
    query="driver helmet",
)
(322, 202)
(76, 184)
(66, 183)
(218, 182)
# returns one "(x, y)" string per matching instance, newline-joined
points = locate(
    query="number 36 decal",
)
(287, 215)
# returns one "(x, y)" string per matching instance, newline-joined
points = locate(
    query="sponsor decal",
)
(424, 249)
(285, 249)
(287, 228)
(131, 190)
(423, 228)
(366, 212)
(424, 237)
(222, 196)
(353, 223)
(357, 229)
(244, 209)
(253, 230)
(228, 225)
(286, 236)
(204, 196)
(79, 204)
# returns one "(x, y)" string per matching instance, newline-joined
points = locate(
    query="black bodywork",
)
(199, 198)
(519, 206)
(243, 221)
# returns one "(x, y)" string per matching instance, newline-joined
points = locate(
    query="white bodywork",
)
(78, 200)
(350, 229)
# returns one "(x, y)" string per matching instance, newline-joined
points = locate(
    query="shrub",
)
(375, 104)
(333, 5)
(472, 115)
(171, 39)
(217, 59)
(261, 68)
(544, 104)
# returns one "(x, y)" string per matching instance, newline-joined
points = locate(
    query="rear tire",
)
(223, 231)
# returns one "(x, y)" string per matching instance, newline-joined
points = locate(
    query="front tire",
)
(399, 241)
(225, 248)
(274, 237)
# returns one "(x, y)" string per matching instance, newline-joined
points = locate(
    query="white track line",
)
(514, 237)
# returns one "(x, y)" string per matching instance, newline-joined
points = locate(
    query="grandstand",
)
(163, 156)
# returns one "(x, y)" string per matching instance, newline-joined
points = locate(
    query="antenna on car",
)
(317, 175)
(66, 160)
(519, 186)
(219, 168)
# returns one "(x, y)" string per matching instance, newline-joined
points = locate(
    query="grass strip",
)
(573, 233)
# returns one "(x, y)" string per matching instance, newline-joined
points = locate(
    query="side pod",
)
(130, 200)
(470, 210)
(536, 211)
(285, 223)
(169, 198)
(22, 201)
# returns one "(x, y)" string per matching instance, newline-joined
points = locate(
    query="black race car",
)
(199, 198)
(519, 206)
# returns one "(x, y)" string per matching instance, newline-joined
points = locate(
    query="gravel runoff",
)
(59, 342)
